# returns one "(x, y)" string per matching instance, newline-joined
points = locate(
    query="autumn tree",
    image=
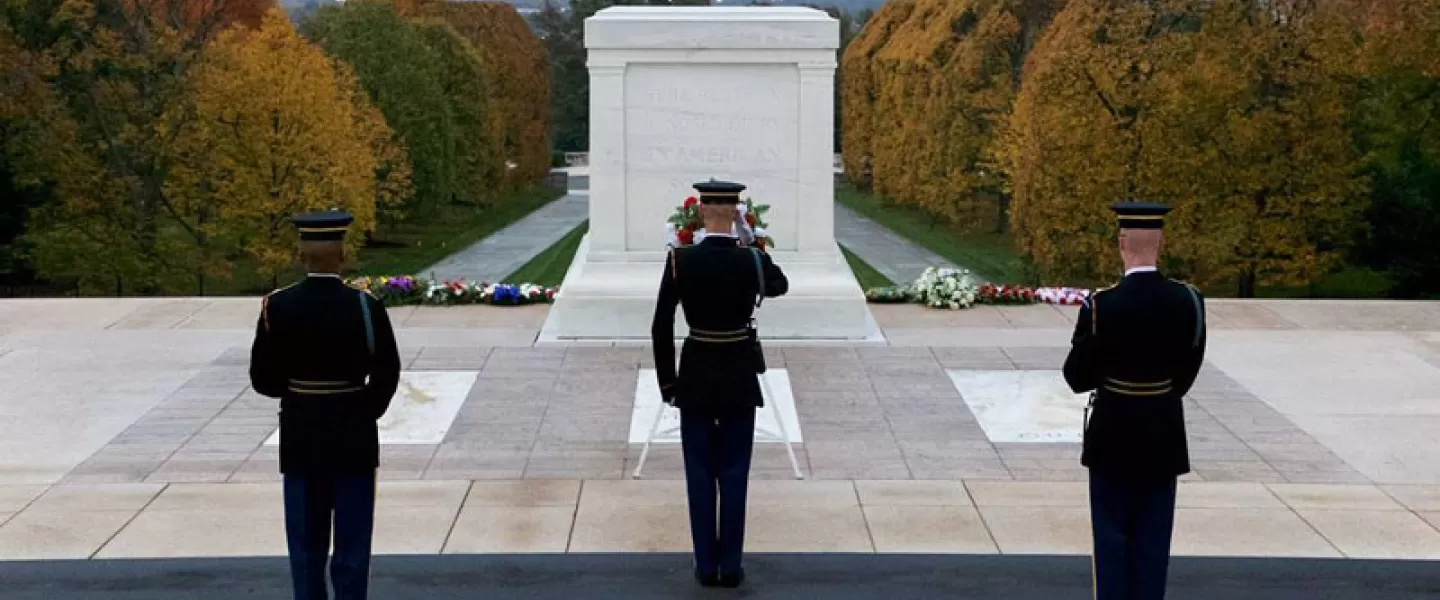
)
(935, 82)
(1225, 110)
(519, 90)
(1398, 128)
(22, 90)
(479, 152)
(859, 90)
(402, 75)
(277, 129)
(119, 66)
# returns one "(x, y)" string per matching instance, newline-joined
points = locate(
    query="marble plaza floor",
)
(129, 431)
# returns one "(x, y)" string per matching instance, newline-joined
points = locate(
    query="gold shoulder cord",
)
(674, 265)
(1095, 313)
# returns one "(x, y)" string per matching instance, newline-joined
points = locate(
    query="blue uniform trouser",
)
(1132, 523)
(717, 463)
(312, 503)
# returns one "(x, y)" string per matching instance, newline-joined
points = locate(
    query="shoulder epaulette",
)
(265, 305)
(1093, 304)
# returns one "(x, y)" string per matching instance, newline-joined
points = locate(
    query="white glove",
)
(742, 229)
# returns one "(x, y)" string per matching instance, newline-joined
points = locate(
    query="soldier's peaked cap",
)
(323, 226)
(719, 192)
(1140, 215)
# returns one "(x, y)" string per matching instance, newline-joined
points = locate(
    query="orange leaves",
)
(927, 86)
(518, 77)
(1215, 108)
(281, 129)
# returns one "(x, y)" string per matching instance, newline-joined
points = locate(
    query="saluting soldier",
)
(718, 283)
(1138, 347)
(328, 353)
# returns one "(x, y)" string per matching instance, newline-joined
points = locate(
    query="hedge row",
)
(1291, 139)
(927, 86)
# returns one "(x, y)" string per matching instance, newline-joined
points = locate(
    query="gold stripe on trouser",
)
(374, 498)
(1094, 581)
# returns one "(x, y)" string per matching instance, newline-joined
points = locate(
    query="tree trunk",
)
(1246, 283)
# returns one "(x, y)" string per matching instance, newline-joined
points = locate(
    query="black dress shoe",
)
(731, 581)
(707, 580)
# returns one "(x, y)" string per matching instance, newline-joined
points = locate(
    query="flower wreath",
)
(684, 227)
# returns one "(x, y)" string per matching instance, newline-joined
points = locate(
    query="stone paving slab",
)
(555, 412)
(584, 516)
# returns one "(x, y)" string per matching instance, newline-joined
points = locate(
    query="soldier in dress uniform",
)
(1138, 347)
(328, 353)
(717, 282)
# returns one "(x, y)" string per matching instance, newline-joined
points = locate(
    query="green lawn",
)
(1347, 282)
(548, 268)
(989, 255)
(405, 248)
(413, 246)
(866, 274)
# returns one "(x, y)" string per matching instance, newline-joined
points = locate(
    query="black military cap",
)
(719, 192)
(1140, 215)
(323, 226)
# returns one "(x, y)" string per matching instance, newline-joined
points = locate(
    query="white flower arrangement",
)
(946, 288)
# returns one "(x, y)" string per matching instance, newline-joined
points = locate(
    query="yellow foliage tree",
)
(113, 68)
(1225, 110)
(934, 94)
(278, 128)
(517, 77)
(858, 90)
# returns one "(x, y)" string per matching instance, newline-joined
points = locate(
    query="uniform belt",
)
(729, 336)
(1135, 388)
(305, 387)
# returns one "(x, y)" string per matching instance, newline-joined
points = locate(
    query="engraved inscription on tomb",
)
(711, 119)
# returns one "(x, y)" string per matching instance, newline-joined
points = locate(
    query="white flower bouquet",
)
(946, 288)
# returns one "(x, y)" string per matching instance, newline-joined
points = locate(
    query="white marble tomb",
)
(684, 94)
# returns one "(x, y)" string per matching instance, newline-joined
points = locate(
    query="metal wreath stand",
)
(782, 436)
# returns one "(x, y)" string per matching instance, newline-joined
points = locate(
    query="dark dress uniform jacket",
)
(1139, 346)
(311, 352)
(715, 282)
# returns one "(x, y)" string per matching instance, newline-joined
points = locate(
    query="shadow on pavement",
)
(772, 576)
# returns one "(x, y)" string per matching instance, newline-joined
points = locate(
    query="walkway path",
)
(505, 251)
(899, 259)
